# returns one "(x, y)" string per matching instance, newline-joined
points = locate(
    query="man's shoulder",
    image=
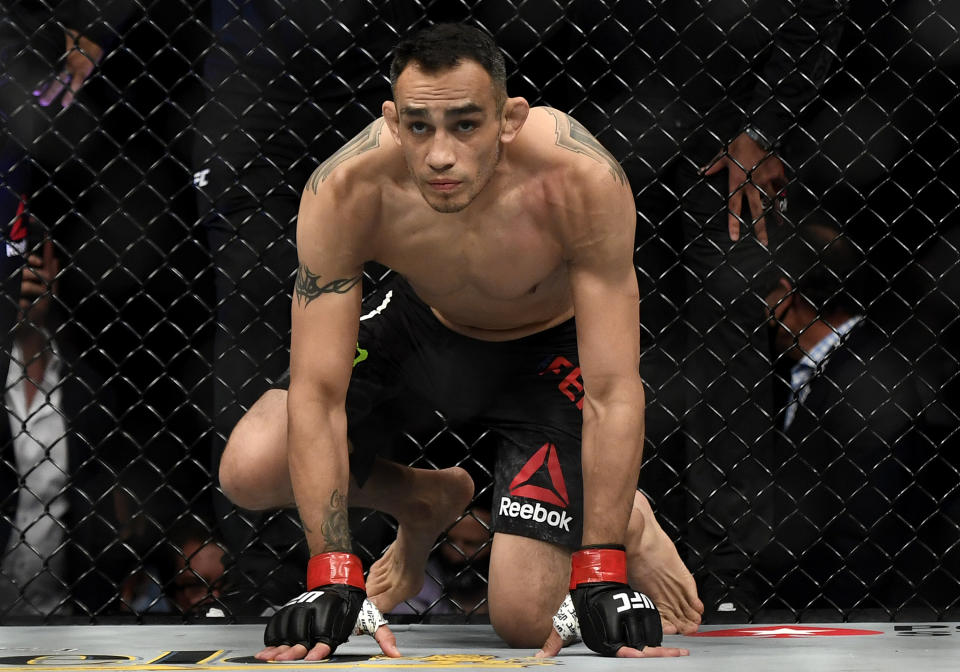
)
(361, 161)
(559, 142)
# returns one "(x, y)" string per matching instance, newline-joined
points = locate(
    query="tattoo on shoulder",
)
(572, 135)
(336, 528)
(367, 139)
(307, 286)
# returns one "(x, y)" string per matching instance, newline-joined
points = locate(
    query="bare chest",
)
(505, 254)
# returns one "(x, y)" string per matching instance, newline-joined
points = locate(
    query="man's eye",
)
(418, 127)
(465, 125)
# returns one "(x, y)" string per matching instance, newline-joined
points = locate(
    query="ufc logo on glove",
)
(638, 601)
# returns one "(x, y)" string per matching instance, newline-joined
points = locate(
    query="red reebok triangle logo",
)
(19, 229)
(546, 456)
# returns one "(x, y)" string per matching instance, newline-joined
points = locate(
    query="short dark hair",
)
(822, 264)
(446, 45)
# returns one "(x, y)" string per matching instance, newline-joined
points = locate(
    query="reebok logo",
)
(16, 244)
(536, 513)
(543, 467)
(521, 485)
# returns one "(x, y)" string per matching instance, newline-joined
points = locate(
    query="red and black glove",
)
(328, 611)
(610, 612)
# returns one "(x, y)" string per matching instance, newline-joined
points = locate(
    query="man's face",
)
(449, 131)
(198, 579)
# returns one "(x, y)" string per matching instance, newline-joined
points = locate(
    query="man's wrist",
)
(598, 563)
(330, 568)
(759, 137)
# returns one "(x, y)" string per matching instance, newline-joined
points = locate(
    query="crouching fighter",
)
(514, 304)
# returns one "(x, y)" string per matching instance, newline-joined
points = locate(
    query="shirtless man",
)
(501, 222)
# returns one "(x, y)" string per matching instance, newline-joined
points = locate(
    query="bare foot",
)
(442, 497)
(655, 568)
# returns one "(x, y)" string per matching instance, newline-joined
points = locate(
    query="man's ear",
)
(515, 112)
(392, 117)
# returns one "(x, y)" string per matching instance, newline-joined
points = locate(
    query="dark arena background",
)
(160, 211)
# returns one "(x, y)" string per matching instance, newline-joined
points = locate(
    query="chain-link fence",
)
(155, 217)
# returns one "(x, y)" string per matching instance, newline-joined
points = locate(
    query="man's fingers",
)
(552, 646)
(270, 652)
(755, 202)
(71, 93)
(387, 641)
(716, 164)
(49, 92)
(652, 652)
(318, 652)
(80, 67)
(295, 652)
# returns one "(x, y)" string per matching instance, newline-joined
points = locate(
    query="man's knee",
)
(521, 628)
(528, 581)
(255, 450)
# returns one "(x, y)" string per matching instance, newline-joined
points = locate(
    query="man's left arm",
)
(606, 304)
(614, 619)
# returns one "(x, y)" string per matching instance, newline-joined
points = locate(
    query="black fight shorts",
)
(528, 391)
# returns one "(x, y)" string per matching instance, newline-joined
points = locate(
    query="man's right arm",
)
(332, 227)
(325, 319)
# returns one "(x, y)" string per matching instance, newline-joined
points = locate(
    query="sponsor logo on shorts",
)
(571, 382)
(541, 479)
(544, 459)
(535, 512)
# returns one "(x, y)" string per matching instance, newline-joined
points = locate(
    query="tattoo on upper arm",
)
(367, 139)
(336, 528)
(572, 135)
(308, 287)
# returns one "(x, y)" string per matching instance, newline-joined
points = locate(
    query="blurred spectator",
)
(184, 576)
(457, 572)
(853, 437)
(58, 532)
(198, 577)
(697, 101)
(36, 35)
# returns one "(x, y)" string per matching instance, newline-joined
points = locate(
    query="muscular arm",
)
(325, 319)
(606, 302)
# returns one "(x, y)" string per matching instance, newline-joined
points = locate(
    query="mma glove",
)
(610, 613)
(328, 612)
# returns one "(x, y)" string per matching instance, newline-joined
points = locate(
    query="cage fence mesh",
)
(151, 225)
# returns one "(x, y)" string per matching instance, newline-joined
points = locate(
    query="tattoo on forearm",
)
(572, 135)
(336, 528)
(367, 139)
(308, 287)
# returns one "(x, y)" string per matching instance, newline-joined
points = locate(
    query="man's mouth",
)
(443, 185)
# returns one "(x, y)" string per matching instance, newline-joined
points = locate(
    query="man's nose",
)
(441, 155)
